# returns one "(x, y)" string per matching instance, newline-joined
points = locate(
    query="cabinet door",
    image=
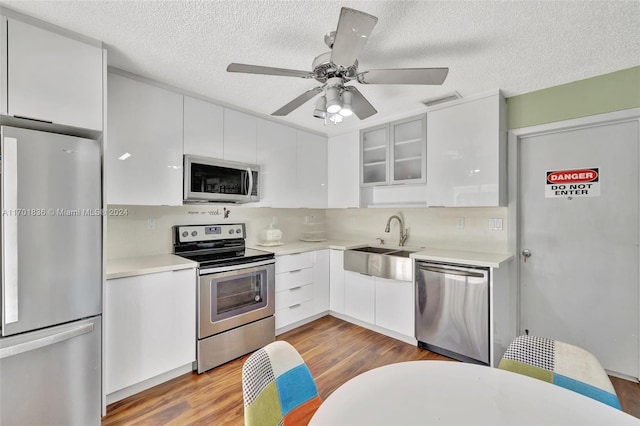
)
(240, 137)
(336, 280)
(150, 326)
(52, 77)
(408, 150)
(203, 124)
(321, 282)
(144, 147)
(312, 170)
(466, 153)
(359, 296)
(343, 177)
(374, 155)
(394, 305)
(277, 157)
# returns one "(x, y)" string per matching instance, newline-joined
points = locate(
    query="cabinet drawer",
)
(293, 313)
(294, 296)
(297, 278)
(293, 262)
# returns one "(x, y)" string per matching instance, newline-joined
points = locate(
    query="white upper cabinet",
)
(343, 178)
(408, 150)
(240, 136)
(52, 78)
(277, 159)
(203, 128)
(312, 170)
(394, 153)
(144, 148)
(466, 152)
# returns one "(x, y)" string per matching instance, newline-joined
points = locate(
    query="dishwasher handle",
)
(452, 271)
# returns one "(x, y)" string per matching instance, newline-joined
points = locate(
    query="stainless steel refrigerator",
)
(51, 300)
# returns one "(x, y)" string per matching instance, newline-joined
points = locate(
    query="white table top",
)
(454, 393)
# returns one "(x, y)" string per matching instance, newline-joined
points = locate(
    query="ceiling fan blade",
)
(257, 69)
(360, 105)
(354, 29)
(298, 101)
(404, 76)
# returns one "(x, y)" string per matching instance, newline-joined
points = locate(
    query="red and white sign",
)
(573, 183)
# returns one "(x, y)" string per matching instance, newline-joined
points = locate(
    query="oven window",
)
(238, 294)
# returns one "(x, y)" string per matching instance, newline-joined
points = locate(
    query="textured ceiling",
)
(517, 46)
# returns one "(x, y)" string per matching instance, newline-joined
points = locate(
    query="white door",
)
(580, 283)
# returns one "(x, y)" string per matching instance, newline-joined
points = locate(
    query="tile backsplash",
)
(146, 230)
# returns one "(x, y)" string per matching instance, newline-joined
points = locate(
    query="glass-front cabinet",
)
(394, 153)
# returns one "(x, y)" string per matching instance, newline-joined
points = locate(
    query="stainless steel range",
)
(236, 291)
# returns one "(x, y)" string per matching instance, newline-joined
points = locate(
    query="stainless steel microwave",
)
(213, 180)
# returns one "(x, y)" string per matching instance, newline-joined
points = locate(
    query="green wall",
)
(605, 93)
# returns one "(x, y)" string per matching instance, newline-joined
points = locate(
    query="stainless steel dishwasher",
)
(452, 310)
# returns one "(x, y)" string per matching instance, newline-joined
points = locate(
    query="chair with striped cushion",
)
(562, 364)
(277, 387)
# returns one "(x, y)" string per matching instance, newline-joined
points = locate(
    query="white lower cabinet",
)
(394, 305)
(150, 326)
(359, 296)
(302, 286)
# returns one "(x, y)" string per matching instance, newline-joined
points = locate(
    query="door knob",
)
(526, 253)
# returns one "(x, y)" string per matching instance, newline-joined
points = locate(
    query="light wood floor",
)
(334, 350)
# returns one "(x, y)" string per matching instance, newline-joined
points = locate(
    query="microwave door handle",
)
(250, 176)
(10, 231)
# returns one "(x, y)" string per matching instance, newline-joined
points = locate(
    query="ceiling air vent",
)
(442, 98)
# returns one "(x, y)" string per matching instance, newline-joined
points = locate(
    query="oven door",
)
(231, 296)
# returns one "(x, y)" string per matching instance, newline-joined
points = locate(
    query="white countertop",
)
(129, 267)
(474, 258)
(489, 260)
(303, 246)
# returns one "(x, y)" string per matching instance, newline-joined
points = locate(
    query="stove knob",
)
(238, 231)
(185, 234)
(231, 231)
(194, 233)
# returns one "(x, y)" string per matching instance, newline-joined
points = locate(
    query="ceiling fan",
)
(338, 67)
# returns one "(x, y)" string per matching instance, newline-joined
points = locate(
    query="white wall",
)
(428, 227)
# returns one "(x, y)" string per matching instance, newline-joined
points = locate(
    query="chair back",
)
(562, 364)
(277, 387)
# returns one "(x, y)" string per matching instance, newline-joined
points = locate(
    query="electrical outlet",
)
(495, 224)
(352, 220)
(460, 223)
(274, 220)
(152, 223)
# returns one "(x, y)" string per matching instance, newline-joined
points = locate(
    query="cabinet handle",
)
(297, 305)
(295, 271)
(295, 288)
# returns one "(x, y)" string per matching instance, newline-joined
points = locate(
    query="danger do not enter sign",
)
(573, 183)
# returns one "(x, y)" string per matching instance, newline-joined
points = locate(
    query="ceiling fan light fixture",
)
(321, 107)
(347, 98)
(333, 100)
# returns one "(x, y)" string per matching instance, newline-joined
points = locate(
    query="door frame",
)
(515, 137)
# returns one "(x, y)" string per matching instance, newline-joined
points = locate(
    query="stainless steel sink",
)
(383, 262)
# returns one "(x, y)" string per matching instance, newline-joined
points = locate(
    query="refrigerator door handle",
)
(45, 341)
(452, 271)
(10, 232)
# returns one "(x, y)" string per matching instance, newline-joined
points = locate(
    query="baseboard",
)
(301, 322)
(377, 329)
(149, 383)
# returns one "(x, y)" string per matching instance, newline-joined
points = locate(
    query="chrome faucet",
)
(404, 233)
